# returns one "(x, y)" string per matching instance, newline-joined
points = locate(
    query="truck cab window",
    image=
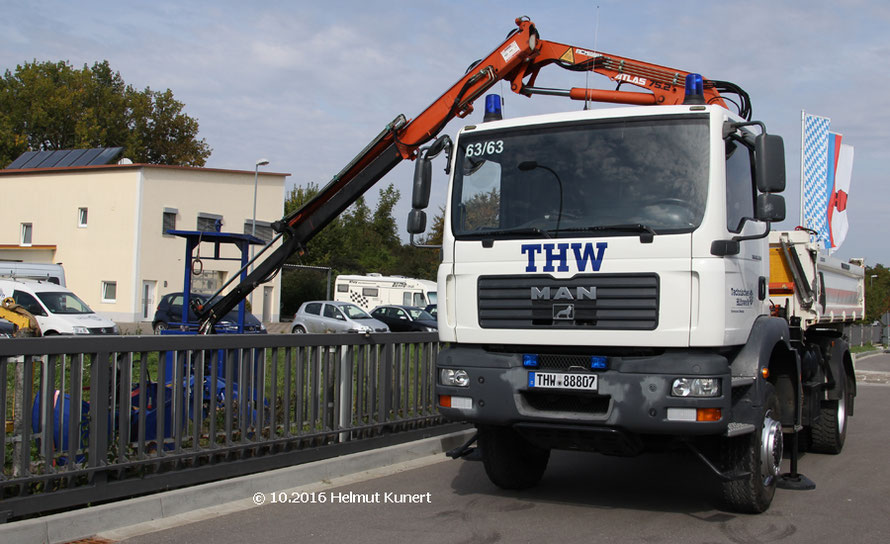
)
(739, 186)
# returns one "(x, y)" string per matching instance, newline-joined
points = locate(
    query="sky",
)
(307, 85)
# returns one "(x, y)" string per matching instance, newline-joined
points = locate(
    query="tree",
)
(359, 241)
(52, 106)
(877, 292)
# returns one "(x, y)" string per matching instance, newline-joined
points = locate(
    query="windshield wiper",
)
(647, 233)
(488, 236)
(517, 232)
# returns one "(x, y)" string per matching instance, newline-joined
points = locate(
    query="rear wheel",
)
(759, 454)
(830, 431)
(298, 329)
(511, 462)
(159, 326)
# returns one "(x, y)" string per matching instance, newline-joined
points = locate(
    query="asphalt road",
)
(586, 498)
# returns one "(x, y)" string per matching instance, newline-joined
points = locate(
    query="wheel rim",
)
(841, 414)
(770, 448)
(298, 330)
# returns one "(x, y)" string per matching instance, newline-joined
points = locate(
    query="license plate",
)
(559, 380)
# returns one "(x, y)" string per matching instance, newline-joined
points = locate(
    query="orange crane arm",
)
(517, 60)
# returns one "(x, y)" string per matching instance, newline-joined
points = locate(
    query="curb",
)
(235, 492)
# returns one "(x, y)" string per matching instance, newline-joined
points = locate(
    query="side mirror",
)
(423, 175)
(769, 163)
(770, 207)
(423, 171)
(416, 221)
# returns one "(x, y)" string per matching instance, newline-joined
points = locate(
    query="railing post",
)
(20, 417)
(346, 377)
(99, 414)
(385, 385)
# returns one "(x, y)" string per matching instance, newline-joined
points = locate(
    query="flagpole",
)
(803, 117)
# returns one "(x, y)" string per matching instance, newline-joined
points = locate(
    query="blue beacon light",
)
(695, 89)
(492, 108)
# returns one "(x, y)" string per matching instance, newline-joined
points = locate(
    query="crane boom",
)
(517, 60)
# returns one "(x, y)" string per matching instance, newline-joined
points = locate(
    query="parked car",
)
(169, 310)
(432, 310)
(405, 318)
(57, 309)
(329, 316)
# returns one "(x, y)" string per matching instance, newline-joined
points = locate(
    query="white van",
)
(53, 273)
(57, 309)
(375, 290)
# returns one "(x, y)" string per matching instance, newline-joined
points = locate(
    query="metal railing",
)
(860, 334)
(89, 419)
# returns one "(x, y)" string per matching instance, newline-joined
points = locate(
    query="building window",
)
(263, 229)
(109, 291)
(169, 222)
(27, 231)
(209, 222)
(81, 217)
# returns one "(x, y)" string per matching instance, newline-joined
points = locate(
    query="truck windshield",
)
(604, 177)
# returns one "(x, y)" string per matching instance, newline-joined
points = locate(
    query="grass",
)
(866, 347)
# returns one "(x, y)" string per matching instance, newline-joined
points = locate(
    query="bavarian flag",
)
(826, 171)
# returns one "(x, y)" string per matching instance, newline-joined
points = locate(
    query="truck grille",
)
(600, 301)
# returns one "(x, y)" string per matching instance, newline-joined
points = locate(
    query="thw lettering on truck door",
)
(556, 257)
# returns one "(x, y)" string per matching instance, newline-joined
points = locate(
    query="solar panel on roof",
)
(23, 159)
(65, 157)
(86, 158)
(108, 155)
(39, 159)
(59, 158)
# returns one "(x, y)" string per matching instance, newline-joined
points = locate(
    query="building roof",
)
(8, 171)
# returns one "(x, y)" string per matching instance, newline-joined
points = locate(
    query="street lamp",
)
(872, 281)
(256, 177)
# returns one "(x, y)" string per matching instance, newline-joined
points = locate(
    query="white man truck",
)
(608, 284)
(605, 276)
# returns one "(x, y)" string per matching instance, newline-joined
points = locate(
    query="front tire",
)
(829, 432)
(511, 461)
(760, 455)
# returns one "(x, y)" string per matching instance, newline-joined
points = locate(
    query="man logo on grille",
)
(563, 312)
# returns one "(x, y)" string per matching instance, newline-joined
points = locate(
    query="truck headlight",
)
(80, 330)
(696, 387)
(454, 378)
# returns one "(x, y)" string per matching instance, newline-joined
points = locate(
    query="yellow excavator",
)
(25, 323)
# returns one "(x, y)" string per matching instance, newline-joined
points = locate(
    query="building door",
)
(148, 299)
(267, 304)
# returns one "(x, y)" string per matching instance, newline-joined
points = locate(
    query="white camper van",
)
(375, 289)
(53, 273)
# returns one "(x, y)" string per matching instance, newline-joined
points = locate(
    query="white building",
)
(107, 226)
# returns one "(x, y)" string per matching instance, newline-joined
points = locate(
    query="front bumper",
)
(633, 394)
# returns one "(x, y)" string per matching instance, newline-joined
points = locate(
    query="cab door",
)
(745, 273)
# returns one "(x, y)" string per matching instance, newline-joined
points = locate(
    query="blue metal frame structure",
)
(193, 239)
